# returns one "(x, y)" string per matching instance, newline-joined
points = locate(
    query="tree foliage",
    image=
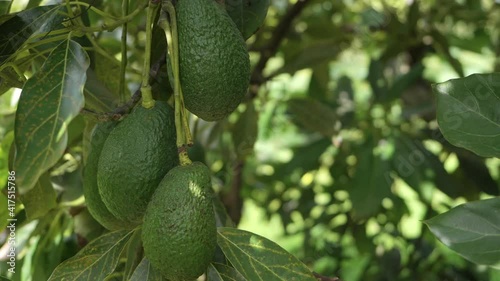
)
(367, 146)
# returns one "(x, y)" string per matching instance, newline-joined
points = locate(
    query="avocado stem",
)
(123, 65)
(181, 123)
(147, 96)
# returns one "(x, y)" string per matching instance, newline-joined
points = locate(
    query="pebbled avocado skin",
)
(135, 157)
(93, 199)
(213, 59)
(179, 233)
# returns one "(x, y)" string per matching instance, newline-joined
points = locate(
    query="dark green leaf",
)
(70, 184)
(472, 230)
(371, 182)
(213, 274)
(4, 212)
(468, 112)
(258, 258)
(417, 165)
(41, 199)
(376, 78)
(315, 53)
(475, 170)
(86, 227)
(318, 85)
(94, 262)
(97, 96)
(222, 272)
(405, 81)
(75, 130)
(305, 159)
(221, 216)
(48, 103)
(20, 27)
(248, 15)
(9, 79)
(33, 3)
(106, 70)
(5, 7)
(146, 272)
(314, 115)
(245, 131)
(134, 254)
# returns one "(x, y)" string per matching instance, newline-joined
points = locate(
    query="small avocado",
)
(135, 157)
(179, 233)
(96, 207)
(213, 59)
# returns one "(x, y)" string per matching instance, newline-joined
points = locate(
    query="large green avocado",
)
(135, 157)
(213, 59)
(96, 207)
(179, 233)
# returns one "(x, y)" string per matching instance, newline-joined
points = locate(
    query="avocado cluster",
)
(126, 162)
(133, 176)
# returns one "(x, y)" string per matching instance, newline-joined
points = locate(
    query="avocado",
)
(179, 233)
(135, 157)
(95, 206)
(213, 59)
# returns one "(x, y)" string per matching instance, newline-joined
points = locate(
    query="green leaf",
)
(134, 254)
(9, 79)
(94, 262)
(41, 199)
(248, 15)
(41, 131)
(69, 184)
(106, 70)
(245, 131)
(318, 85)
(314, 115)
(305, 159)
(146, 272)
(371, 182)
(97, 96)
(4, 9)
(405, 81)
(376, 78)
(310, 55)
(258, 258)
(33, 3)
(467, 112)
(20, 27)
(222, 272)
(4, 212)
(472, 230)
(417, 165)
(221, 216)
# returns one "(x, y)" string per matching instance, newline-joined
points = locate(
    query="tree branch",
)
(118, 112)
(270, 50)
(232, 199)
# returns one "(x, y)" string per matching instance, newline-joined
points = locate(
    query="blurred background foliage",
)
(335, 154)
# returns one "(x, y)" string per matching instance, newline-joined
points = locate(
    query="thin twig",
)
(270, 50)
(120, 111)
